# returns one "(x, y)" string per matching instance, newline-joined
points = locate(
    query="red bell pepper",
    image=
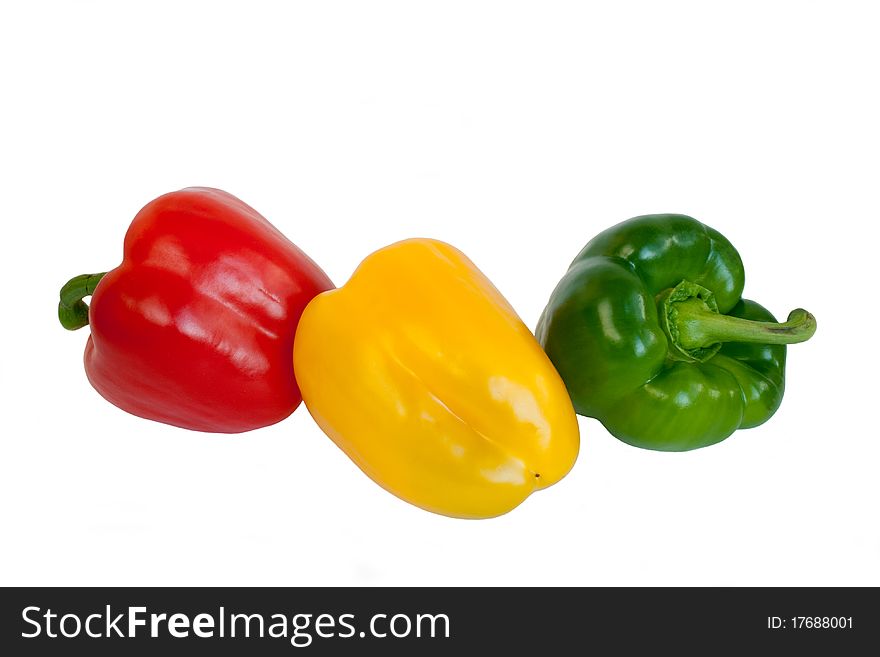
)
(195, 328)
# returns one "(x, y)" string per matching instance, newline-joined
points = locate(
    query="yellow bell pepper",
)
(422, 373)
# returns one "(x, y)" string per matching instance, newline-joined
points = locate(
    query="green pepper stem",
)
(699, 327)
(73, 313)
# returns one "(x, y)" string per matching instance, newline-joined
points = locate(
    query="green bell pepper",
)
(650, 335)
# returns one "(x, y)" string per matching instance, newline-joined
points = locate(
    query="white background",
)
(515, 131)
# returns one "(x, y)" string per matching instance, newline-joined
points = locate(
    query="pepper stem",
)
(699, 328)
(73, 312)
(689, 316)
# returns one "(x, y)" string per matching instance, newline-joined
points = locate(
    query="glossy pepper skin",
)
(195, 328)
(650, 335)
(422, 373)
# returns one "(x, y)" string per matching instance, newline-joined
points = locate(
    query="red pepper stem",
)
(73, 312)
